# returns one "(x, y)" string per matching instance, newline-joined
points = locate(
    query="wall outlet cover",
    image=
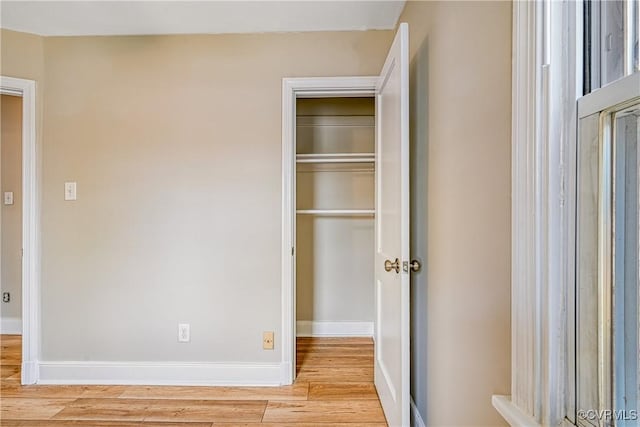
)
(267, 340)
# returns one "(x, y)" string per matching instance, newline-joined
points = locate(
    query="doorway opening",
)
(334, 237)
(321, 157)
(11, 235)
(24, 91)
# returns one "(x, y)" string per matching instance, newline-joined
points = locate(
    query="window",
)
(607, 258)
(611, 46)
(575, 338)
(607, 356)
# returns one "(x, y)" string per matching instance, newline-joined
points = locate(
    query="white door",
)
(392, 233)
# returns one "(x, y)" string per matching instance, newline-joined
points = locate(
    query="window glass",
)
(612, 42)
(625, 265)
(636, 35)
(611, 46)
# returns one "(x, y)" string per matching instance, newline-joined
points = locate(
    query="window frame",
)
(547, 83)
(606, 102)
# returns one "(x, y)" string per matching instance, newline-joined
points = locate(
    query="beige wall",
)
(22, 56)
(460, 132)
(11, 180)
(175, 143)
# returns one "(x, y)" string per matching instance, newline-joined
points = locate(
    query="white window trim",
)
(615, 93)
(545, 55)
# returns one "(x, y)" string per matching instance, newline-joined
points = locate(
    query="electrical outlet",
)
(184, 332)
(8, 197)
(267, 340)
(6, 297)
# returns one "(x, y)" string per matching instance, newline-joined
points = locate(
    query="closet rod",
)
(336, 158)
(359, 212)
(350, 160)
(368, 170)
(335, 155)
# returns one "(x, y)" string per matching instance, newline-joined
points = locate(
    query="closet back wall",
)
(11, 180)
(335, 254)
(175, 143)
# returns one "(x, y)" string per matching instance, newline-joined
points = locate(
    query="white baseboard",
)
(416, 419)
(10, 325)
(159, 373)
(306, 328)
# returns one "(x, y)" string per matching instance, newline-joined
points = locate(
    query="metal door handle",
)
(388, 265)
(415, 265)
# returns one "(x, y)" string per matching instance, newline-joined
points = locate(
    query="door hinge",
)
(293, 250)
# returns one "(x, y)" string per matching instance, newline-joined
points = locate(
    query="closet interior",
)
(335, 199)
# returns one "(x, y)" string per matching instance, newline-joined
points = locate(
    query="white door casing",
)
(293, 88)
(392, 233)
(30, 226)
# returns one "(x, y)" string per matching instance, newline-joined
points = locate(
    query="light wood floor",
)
(334, 388)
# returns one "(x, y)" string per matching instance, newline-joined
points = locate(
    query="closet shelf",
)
(336, 158)
(336, 212)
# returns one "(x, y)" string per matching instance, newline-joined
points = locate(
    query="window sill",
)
(511, 413)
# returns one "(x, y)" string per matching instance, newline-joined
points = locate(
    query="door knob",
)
(388, 265)
(415, 265)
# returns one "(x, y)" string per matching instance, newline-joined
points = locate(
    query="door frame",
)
(292, 89)
(26, 89)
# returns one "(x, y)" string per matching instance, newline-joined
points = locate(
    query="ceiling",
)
(76, 18)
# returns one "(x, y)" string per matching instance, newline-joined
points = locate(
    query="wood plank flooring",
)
(334, 387)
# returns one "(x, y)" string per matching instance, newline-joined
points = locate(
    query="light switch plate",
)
(8, 197)
(70, 191)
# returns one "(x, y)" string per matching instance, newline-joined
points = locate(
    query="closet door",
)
(392, 233)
